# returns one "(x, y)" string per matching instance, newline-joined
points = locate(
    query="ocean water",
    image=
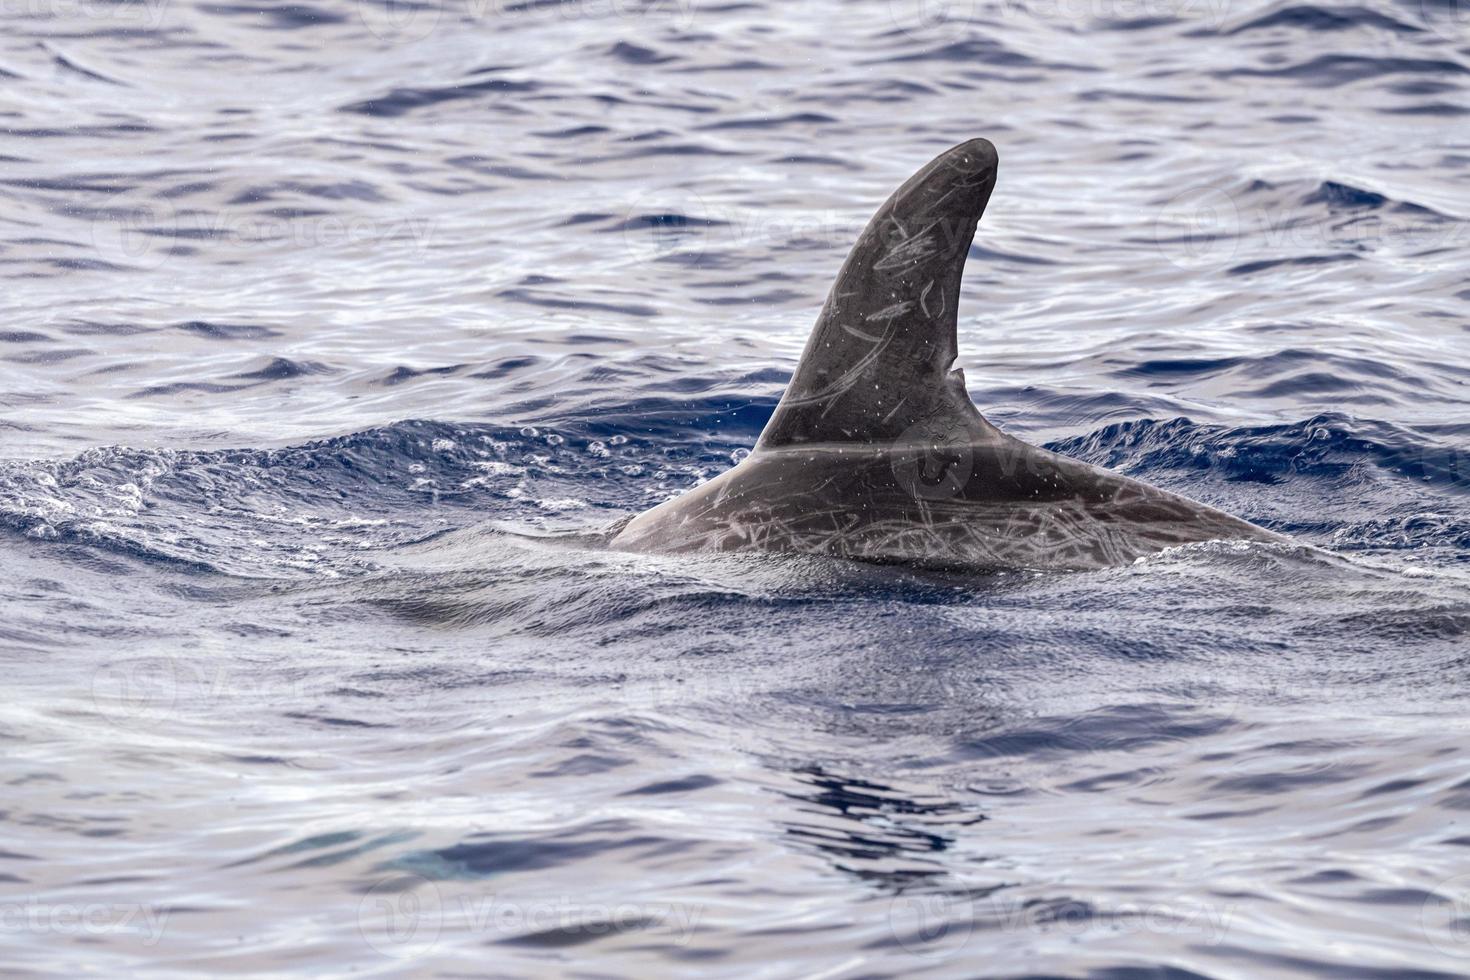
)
(334, 334)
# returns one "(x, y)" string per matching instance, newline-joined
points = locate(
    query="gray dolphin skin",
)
(877, 453)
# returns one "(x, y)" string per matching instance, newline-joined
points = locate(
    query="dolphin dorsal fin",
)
(878, 361)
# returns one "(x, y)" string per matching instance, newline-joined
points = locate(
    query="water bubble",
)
(617, 440)
(554, 440)
(530, 431)
(443, 445)
(739, 456)
(597, 449)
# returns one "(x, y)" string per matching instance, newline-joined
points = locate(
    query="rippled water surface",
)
(334, 334)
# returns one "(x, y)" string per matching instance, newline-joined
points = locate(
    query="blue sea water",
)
(335, 333)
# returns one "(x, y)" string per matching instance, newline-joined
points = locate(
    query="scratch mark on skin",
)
(846, 381)
(855, 332)
(891, 312)
(907, 254)
(924, 301)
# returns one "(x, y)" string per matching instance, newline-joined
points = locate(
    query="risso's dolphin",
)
(876, 451)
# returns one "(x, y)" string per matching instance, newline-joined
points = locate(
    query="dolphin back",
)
(876, 452)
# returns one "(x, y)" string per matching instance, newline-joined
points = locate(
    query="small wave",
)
(1320, 18)
(282, 368)
(1248, 268)
(1335, 70)
(634, 54)
(401, 101)
(228, 331)
(70, 65)
(1325, 447)
(973, 51)
(280, 17)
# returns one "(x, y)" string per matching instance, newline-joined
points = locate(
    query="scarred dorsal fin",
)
(878, 361)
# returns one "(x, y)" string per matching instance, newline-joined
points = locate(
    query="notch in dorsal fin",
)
(878, 361)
